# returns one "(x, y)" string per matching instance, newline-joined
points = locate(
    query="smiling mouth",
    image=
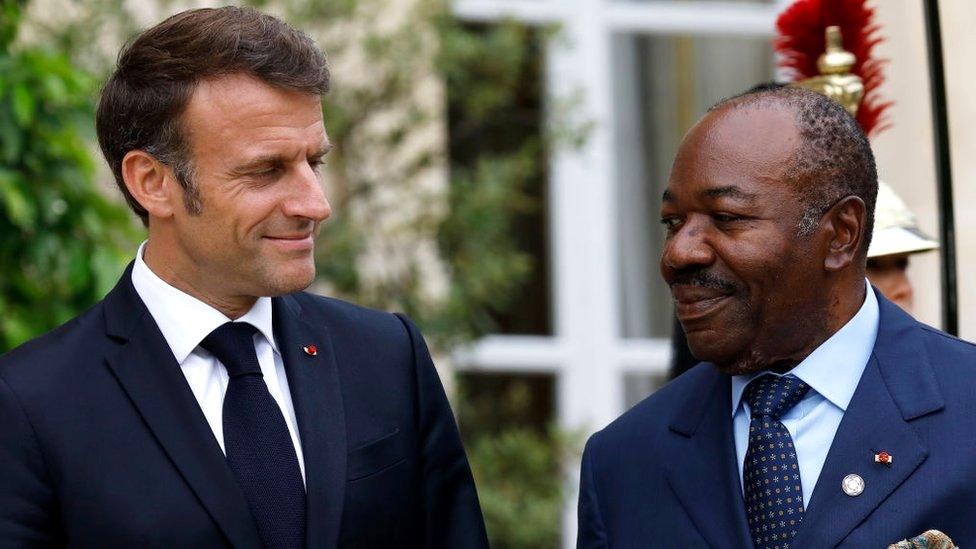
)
(293, 242)
(690, 309)
(302, 236)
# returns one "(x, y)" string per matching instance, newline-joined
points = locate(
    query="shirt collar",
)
(185, 320)
(834, 368)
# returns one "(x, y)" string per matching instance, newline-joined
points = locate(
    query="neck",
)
(847, 301)
(188, 280)
(784, 349)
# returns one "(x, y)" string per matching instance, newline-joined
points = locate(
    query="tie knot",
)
(773, 396)
(233, 345)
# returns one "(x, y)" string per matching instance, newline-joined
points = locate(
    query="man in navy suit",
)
(207, 401)
(822, 415)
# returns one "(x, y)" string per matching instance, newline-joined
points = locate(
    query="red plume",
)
(801, 41)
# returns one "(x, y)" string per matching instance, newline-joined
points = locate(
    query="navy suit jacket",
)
(102, 443)
(665, 475)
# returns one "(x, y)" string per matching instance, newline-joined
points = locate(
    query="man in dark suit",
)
(207, 401)
(823, 415)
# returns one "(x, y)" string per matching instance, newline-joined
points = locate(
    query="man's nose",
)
(307, 197)
(686, 248)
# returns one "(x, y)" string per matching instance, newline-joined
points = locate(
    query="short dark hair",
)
(835, 159)
(142, 102)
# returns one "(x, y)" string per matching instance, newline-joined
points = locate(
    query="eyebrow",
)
(728, 191)
(277, 159)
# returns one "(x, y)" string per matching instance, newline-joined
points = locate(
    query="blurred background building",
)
(497, 175)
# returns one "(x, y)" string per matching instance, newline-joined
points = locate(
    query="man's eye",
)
(265, 173)
(726, 218)
(670, 223)
(316, 164)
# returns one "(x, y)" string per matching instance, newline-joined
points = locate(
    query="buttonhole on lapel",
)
(310, 350)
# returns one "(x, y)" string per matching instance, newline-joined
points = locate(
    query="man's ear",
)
(146, 178)
(845, 223)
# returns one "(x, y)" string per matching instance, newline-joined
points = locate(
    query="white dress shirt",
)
(185, 321)
(832, 371)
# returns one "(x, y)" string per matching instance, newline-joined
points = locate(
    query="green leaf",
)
(11, 140)
(19, 208)
(23, 104)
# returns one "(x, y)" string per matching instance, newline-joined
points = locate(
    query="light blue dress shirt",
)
(832, 371)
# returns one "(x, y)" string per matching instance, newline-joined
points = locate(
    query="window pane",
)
(638, 386)
(494, 402)
(495, 121)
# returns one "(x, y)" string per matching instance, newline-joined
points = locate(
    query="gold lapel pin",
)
(310, 350)
(883, 457)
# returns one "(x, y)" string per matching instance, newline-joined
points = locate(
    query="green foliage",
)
(497, 156)
(62, 243)
(478, 237)
(516, 457)
(520, 487)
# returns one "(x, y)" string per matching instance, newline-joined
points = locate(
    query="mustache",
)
(703, 279)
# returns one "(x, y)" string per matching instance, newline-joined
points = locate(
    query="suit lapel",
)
(705, 476)
(314, 385)
(897, 386)
(151, 377)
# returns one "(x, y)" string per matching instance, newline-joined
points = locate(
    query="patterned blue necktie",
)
(259, 448)
(774, 495)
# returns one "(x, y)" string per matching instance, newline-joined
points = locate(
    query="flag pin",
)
(310, 350)
(883, 457)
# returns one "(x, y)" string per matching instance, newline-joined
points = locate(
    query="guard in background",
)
(896, 238)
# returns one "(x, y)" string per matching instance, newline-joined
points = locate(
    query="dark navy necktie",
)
(259, 448)
(771, 472)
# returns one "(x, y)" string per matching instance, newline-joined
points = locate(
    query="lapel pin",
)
(883, 457)
(853, 485)
(310, 350)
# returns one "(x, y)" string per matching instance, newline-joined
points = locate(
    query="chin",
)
(287, 281)
(725, 359)
(707, 345)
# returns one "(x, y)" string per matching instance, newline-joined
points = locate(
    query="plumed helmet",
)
(895, 227)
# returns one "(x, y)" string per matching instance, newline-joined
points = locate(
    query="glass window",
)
(497, 150)
(638, 386)
(494, 402)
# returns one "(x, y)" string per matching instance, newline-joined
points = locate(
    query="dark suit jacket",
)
(665, 475)
(102, 443)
